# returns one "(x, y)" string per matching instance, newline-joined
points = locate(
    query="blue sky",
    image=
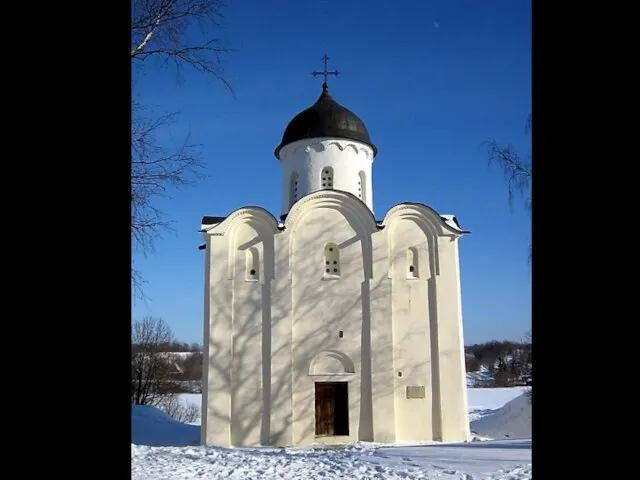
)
(431, 80)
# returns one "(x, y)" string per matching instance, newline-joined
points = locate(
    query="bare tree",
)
(179, 409)
(151, 367)
(516, 167)
(177, 33)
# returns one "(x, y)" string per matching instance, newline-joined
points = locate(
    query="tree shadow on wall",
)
(258, 404)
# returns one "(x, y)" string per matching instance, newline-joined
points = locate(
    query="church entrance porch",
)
(332, 408)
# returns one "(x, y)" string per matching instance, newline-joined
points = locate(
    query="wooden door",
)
(332, 408)
(325, 408)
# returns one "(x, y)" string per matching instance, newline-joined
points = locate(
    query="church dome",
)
(325, 118)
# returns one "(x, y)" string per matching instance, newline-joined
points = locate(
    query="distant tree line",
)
(509, 363)
(175, 346)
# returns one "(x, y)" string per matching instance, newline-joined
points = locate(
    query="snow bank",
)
(513, 420)
(151, 426)
(485, 401)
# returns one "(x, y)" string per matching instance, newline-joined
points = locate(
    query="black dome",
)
(325, 118)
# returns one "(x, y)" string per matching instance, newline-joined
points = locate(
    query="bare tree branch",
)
(179, 33)
(137, 282)
(517, 170)
(153, 171)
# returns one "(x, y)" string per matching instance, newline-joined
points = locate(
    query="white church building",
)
(332, 325)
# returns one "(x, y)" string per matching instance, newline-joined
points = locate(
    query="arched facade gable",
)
(258, 219)
(353, 209)
(427, 220)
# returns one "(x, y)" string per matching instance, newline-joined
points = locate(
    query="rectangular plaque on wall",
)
(415, 392)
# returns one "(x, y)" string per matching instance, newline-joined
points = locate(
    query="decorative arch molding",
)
(428, 214)
(331, 362)
(336, 199)
(323, 144)
(353, 209)
(252, 215)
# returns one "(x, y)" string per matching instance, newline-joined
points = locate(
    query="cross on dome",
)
(325, 72)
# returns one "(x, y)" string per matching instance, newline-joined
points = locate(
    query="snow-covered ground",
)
(494, 413)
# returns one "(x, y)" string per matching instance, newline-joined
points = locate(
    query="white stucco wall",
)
(450, 344)
(308, 158)
(271, 338)
(237, 370)
(411, 330)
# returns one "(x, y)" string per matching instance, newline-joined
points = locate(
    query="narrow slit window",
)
(331, 261)
(362, 186)
(326, 177)
(293, 195)
(253, 264)
(412, 263)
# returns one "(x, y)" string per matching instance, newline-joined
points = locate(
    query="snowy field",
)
(500, 417)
